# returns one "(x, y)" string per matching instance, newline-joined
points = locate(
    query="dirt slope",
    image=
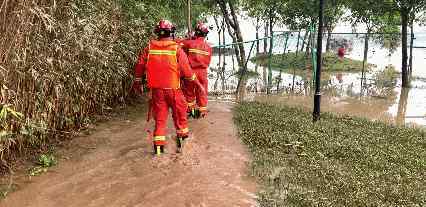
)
(114, 167)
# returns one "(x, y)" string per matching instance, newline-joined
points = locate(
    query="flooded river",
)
(380, 97)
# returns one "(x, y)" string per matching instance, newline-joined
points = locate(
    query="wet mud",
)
(115, 167)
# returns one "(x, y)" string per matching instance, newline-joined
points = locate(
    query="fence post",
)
(317, 96)
(282, 58)
(364, 62)
(295, 61)
(313, 52)
(271, 46)
(256, 64)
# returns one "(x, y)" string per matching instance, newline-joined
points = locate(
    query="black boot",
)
(180, 142)
(197, 114)
(191, 113)
(158, 149)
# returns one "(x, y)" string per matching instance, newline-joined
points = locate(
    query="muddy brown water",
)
(116, 168)
(374, 109)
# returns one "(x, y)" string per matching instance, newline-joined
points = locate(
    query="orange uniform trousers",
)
(162, 101)
(192, 93)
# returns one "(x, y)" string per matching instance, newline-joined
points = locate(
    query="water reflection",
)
(380, 97)
(402, 106)
(342, 94)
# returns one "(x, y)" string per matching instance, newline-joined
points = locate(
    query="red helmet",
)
(202, 28)
(164, 26)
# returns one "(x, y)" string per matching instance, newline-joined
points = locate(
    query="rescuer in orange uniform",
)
(199, 55)
(164, 63)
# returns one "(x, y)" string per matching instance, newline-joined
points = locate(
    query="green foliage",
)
(249, 74)
(372, 13)
(386, 78)
(5, 189)
(44, 162)
(72, 59)
(8, 122)
(299, 14)
(339, 161)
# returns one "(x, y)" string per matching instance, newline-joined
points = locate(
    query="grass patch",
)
(290, 61)
(44, 162)
(340, 161)
(6, 189)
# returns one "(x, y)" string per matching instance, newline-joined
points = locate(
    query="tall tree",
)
(229, 12)
(369, 13)
(333, 14)
(408, 10)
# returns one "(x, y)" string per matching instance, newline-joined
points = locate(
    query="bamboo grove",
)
(63, 61)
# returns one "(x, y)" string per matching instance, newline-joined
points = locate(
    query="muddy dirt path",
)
(118, 169)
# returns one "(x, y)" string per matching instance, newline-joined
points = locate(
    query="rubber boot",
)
(197, 114)
(158, 149)
(180, 142)
(191, 113)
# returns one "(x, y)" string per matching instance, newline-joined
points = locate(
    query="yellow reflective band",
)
(162, 52)
(186, 130)
(191, 103)
(159, 138)
(201, 52)
(193, 77)
(203, 108)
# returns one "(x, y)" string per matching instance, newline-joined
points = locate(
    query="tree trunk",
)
(308, 46)
(238, 33)
(234, 40)
(364, 62)
(294, 68)
(327, 46)
(265, 41)
(219, 32)
(304, 41)
(404, 69)
(231, 20)
(271, 47)
(402, 106)
(411, 47)
(257, 35)
(265, 52)
(189, 16)
(298, 42)
(224, 56)
(257, 50)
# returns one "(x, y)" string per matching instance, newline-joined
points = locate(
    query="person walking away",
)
(199, 54)
(341, 52)
(164, 62)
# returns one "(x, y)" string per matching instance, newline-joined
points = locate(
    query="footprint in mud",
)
(162, 161)
(190, 154)
(133, 151)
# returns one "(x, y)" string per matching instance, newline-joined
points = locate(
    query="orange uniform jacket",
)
(199, 53)
(173, 60)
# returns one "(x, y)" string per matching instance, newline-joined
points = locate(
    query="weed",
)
(44, 162)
